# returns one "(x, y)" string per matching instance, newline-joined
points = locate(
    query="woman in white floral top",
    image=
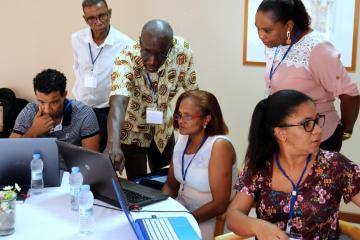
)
(299, 58)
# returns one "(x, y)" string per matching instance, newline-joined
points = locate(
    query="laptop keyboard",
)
(134, 197)
(159, 228)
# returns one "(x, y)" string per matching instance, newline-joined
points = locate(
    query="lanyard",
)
(295, 187)
(152, 87)
(273, 70)
(91, 56)
(184, 171)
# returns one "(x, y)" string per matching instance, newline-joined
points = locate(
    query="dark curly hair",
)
(50, 80)
(285, 10)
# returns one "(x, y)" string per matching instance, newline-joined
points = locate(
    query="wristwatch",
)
(346, 135)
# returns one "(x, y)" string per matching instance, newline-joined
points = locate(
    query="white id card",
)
(154, 116)
(90, 80)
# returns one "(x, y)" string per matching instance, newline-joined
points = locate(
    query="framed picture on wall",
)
(337, 20)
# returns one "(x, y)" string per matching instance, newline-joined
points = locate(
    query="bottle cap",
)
(36, 156)
(85, 188)
(75, 169)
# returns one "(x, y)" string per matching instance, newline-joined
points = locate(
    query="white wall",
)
(36, 35)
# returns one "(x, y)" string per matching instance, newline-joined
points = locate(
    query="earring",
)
(288, 38)
(204, 125)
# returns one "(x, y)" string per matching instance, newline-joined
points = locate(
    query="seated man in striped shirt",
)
(53, 115)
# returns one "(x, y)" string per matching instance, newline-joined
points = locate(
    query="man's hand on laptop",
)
(117, 157)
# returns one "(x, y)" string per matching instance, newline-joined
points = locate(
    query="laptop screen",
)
(16, 155)
(125, 207)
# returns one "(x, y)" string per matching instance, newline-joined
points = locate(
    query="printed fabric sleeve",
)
(246, 183)
(190, 77)
(90, 126)
(122, 74)
(326, 67)
(349, 177)
(24, 119)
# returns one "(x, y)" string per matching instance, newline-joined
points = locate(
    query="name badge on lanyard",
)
(90, 80)
(153, 115)
(293, 195)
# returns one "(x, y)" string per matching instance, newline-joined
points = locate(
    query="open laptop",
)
(174, 228)
(16, 155)
(98, 171)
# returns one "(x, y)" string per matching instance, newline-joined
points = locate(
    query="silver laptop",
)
(164, 228)
(15, 158)
(98, 171)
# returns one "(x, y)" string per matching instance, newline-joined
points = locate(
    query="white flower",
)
(17, 187)
(8, 188)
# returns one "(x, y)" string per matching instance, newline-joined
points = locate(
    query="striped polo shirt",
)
(79, 122)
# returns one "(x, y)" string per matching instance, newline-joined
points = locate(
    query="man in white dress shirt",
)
(95, 49)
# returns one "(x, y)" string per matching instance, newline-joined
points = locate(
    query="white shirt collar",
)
(109, 40)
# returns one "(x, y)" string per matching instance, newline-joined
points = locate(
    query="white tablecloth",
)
(48, 216)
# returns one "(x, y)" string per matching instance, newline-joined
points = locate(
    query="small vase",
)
(7, 216)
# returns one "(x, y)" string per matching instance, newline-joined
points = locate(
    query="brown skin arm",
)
(220, 178)
(349, 106)
(118, 106)
(356, 199)
(92, 143)
(238, 211)
(41, 125)
(171, 187)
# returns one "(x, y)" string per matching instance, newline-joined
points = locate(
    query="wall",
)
(36, 35)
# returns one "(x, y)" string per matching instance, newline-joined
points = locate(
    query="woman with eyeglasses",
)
(299, 58)
(297, 187)
(203, 169)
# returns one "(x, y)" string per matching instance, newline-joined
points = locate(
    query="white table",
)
(48, 216)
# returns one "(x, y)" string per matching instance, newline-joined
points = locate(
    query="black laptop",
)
(98, 171)
(16, 155)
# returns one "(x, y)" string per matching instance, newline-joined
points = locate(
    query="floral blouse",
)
(316, 209)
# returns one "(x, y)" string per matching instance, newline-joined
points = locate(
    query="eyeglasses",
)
(146, 54)
(309, 124)
(178, 117)
(101, 17)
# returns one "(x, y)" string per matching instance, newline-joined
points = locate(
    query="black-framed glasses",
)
(178, 117)
(146, 54)
(101, 17)
(308, 124)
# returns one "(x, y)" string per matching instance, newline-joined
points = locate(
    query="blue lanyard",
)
(295, 187)
(91, 56)
(184, 172)
(273, 70)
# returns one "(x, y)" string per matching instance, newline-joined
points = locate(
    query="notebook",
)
(165, 228)
(98, 171)
(16, 155)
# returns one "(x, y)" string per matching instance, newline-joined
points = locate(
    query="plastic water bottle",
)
(37, 181)
(75, 181)
(86, 216)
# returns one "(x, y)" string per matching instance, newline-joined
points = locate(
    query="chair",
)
(349, 229)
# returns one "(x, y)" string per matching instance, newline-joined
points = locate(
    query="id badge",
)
(153, 116)
(294, 236)
(90, 80)
(56, 128)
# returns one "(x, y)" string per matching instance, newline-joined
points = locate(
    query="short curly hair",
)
(50, 80)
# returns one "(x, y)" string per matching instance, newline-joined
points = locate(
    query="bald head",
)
(159, 29)
(156, 42)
